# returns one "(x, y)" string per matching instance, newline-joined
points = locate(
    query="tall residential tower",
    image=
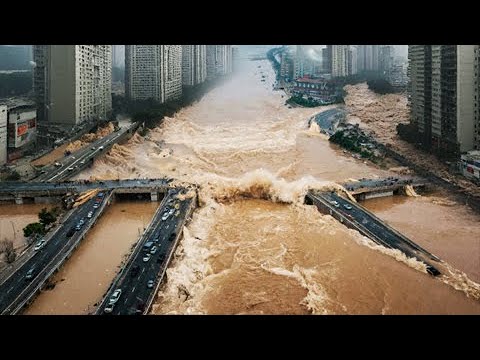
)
(73, 83)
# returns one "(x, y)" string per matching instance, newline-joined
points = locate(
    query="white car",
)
(115, 297)
(109, 308)
(57, 164)
(165, 216)
(90, 214)
(146, 257)
(101, 148)
(39, 245)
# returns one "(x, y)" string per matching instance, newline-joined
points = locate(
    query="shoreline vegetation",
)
(152, 113)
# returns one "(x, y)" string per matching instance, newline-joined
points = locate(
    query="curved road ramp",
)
(355, 216)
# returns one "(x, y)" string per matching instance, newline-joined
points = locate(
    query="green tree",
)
(47, 217)
(34, 228)
(13, 176)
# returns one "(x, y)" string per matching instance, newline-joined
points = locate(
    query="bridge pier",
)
(154, 196)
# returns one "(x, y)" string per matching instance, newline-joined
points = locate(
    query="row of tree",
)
(45, 219)
(152, 112)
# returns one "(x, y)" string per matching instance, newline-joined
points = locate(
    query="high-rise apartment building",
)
(3, 134)
(223, 59)
(300, 59)
(367, 58)
(444, 96)
(352, 60)
(153, 72)
(476, 144)
(340, 55)
(211, 62)
(73, 83)
(194, 64)
(385, 59)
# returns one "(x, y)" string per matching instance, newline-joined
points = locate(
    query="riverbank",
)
(377, 116)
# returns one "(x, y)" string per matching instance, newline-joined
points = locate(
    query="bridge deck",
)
(357, 217)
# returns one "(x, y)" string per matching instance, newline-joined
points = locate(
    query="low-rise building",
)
(320, 89)
(22, 130)
(470, 165)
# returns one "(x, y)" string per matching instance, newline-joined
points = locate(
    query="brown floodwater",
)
(252, 246)
(86, 276)
(448, 229)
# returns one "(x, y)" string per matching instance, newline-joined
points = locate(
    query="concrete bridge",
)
(372, 188)
(79, 160)
(17, 290)
(355, 216)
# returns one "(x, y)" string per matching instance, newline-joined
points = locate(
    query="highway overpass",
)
(74, 163)
(355, 216)
(137, 295)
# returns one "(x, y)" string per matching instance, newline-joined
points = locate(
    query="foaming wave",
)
(394, 253)
(460, 281)
(316, 300)
(261, 184)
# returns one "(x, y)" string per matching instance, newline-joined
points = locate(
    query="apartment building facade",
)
(194, 64)
(73, 83)
(153, 72)
(444, 96)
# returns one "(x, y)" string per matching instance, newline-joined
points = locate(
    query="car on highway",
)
(40, 244)
(70, 168)
(82, 162)
(90, 214)
(153, 250)
(115, 296)
(335, 203)
(172, 237)
(100, 194)
(57, 164)
(30, 274)
(165, 216)
(347, 207)
(109, 308)
(150, 284)
(72, 157)
(146, 257)
(101, 147)
(94, 148)
(71, 232)
(96, 205)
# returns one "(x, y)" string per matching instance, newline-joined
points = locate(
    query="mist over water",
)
(252, 246)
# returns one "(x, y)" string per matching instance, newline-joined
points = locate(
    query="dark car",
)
(71, 232)
(30, 274)
(172, 237)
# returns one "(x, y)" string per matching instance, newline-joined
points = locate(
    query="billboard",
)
(22, 127)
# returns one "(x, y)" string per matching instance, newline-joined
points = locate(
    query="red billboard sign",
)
(22, 129)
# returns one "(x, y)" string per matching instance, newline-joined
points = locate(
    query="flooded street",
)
(253, 247)
(86, 276)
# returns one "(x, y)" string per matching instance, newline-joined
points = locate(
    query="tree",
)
(6, 246)
(34, 228)
(47, 217)
(13, 176)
